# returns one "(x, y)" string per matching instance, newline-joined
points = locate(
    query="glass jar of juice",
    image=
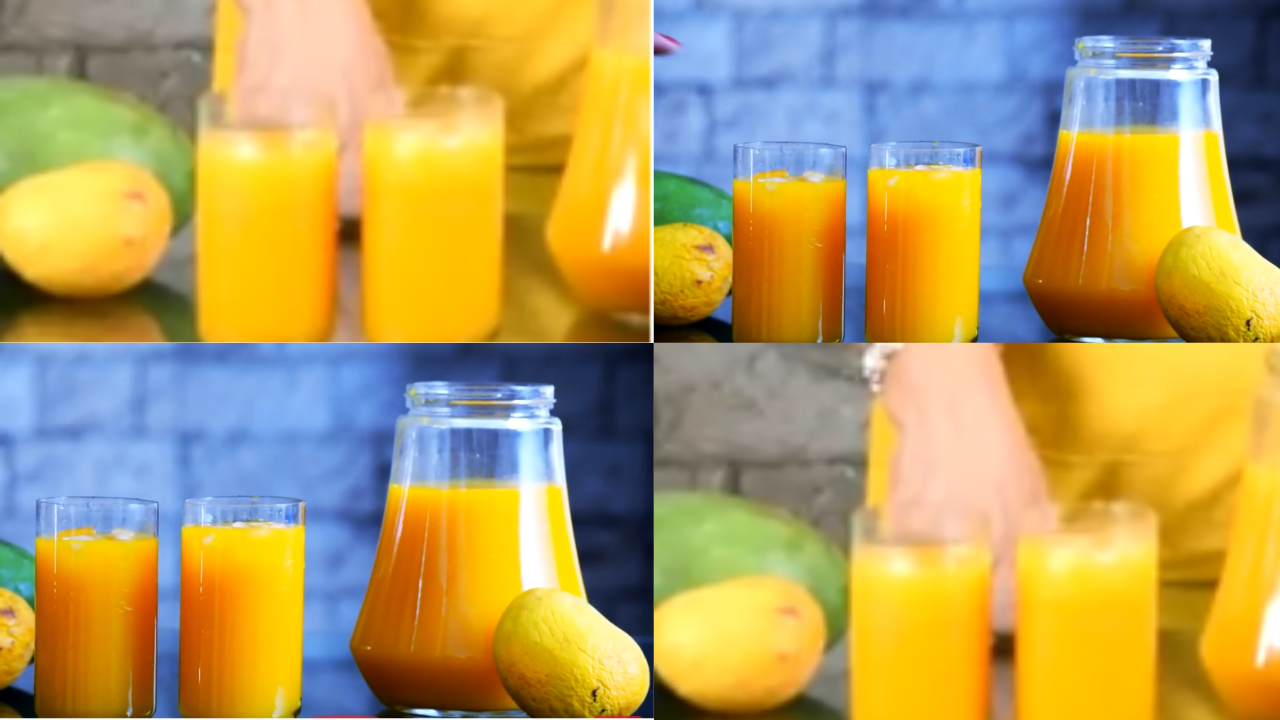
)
(1139, 157)
(477, 512)
(1240, 647)
(600, 230)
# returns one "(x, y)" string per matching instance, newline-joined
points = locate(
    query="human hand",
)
(664, 44)
(963, 452)
(300, 53)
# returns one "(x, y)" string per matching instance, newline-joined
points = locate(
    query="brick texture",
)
(105, 23)
(313, 421)
(784, 403)
(985, 71)
(826, 494)
(784, 424)
(782, 49)
(52, 62)
(118, 468)
(920, 50)
(171, 80)
(99, 397)
(18, 395)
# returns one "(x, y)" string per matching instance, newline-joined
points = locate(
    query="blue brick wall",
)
(167, 422)
(853, 72)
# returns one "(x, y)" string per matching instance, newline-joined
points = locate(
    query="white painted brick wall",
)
(168, 422)
(986, 71)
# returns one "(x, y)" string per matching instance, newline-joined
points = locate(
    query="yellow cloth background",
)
(1165, 425)
(531, 51)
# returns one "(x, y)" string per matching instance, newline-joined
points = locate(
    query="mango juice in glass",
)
(599, 231)
(243, 561)
(96, 562)
(1087, 614)
(1237, 646)
(788, 242)
(920, 619)
(434, 179)
(924, 208)
(1139, 157)
(463, 534)
(266, 230)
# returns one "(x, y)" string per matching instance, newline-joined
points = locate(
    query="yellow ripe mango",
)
(1213, 287)
(558, 657)
(692, 273)
(747, 645)
(17, 636)
(90, 230)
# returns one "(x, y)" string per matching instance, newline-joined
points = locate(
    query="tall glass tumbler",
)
(1088, 582)
(788, 242)
(96, 562)
(924, 210)
(434, 176)
(243, 561)
(266, 219)
(920, 618)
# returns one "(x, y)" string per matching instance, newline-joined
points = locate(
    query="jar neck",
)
(1147, 53)
(480, 400)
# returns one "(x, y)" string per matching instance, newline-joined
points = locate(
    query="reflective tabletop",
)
(537, 306)
(331, 683)
(1183, 693)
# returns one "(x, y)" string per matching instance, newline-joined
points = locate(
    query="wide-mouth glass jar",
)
(1140, 156)
(476, 513)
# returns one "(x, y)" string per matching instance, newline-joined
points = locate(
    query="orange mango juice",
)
(96, 614)
(1237, 648)
(882, 440)
(788, 258)
(1115, 201)
(600, 231)
(266, 235)
(450, 559)
(920, 632)
(432, 243)
(241, 635)
(923, 254)
(1086, 627)
(228, 24)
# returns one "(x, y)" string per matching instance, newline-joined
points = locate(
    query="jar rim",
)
(1144, 46)
(481, 392)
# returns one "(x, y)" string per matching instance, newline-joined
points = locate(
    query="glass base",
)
(428, 713)
(1069, 338)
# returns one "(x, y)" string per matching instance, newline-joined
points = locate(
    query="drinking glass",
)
(96, 560)
(243, 561)
(920, 607)
(788, 242)
(1088, 581)
(266, 234)
(433, 212)
(924, 212)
